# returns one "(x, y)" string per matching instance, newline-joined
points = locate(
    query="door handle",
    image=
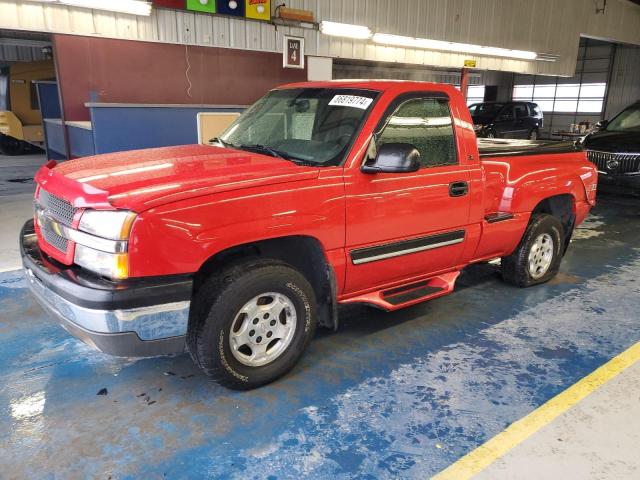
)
(458, 189)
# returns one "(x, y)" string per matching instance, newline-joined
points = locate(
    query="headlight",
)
(111, 224)
(477, 127)
(102, 242)
(112, 265)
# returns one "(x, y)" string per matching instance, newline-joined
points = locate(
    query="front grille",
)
(56, 207)
(55, 240)
(615, 163)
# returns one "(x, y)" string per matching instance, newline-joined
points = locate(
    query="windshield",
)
(485, 110)
(627, 121)
(313, 126)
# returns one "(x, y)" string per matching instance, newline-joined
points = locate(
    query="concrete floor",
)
(390, 395)
(596, 439)
(16, 202)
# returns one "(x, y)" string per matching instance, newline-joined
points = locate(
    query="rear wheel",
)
(537, 258)
(250, 324)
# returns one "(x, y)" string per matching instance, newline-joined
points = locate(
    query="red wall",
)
(124, 71)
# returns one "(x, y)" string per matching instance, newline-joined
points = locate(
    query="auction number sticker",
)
(351, 101)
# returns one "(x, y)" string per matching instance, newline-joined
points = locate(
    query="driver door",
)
(405, 225)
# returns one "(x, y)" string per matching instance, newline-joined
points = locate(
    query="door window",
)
(506, 114)
(521, 110)
(426, 124)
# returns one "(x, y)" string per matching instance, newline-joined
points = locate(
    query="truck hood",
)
(142, 179)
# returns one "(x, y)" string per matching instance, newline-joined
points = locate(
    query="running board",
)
(409, 294)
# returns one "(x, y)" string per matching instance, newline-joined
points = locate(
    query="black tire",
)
(534, 134)
(492, 134)
(11, 146)
(219, 301)
(515, 267)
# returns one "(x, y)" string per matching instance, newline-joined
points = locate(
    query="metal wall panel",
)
(548, 26)
(624, 88)
(16, 53)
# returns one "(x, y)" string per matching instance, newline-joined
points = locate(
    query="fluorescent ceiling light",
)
(345, 30)
(423, 43)
(133, 7)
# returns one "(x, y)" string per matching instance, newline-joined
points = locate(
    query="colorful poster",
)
(208, 6)
(258, 9)
(231, 7)
(176, 4)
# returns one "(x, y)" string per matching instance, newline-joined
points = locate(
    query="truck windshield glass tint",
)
(314, 125)
(627, 121)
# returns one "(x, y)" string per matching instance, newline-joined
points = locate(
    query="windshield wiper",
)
(265, 149)
(274, 152)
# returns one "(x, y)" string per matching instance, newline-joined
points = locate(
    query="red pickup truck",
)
(324, 193)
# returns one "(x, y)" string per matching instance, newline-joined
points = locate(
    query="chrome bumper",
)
(143, 331)
(137, 332)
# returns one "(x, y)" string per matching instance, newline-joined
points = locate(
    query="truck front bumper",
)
(134, 318)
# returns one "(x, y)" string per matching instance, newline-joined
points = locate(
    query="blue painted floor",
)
(389, 395)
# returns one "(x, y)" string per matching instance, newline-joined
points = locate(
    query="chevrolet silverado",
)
(320, 194)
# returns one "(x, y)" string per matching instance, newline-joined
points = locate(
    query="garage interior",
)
(491, 382)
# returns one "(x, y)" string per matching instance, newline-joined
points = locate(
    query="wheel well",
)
(305, 254)
(561, 207)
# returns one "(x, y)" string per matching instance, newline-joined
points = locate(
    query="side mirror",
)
(601, 125)
(394, 158)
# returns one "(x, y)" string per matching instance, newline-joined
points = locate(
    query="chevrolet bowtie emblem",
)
(56, 228)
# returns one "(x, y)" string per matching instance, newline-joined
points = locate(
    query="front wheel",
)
(537, 257)
(492, 134)
(534, 134)
(250, 324)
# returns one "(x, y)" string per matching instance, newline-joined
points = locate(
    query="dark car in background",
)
(507, 119)
(615, 149)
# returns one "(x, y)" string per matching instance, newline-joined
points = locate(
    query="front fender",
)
(180, 237)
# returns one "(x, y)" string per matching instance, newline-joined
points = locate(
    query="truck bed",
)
(502, 147)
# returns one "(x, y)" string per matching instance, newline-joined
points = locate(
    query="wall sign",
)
(253, 9)
(208, 6)
(234, 8)
(470, 63)
(293, 52)
(176, 4)
(258, 9)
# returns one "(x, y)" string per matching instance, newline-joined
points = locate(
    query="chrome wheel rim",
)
(540, 256)
(534, 135)
(263, 329)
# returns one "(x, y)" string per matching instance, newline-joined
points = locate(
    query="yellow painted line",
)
(10, 269)
(483, 456)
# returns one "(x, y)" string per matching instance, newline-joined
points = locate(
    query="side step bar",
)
(409, 294)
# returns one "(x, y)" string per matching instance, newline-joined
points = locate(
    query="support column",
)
(464, 82)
